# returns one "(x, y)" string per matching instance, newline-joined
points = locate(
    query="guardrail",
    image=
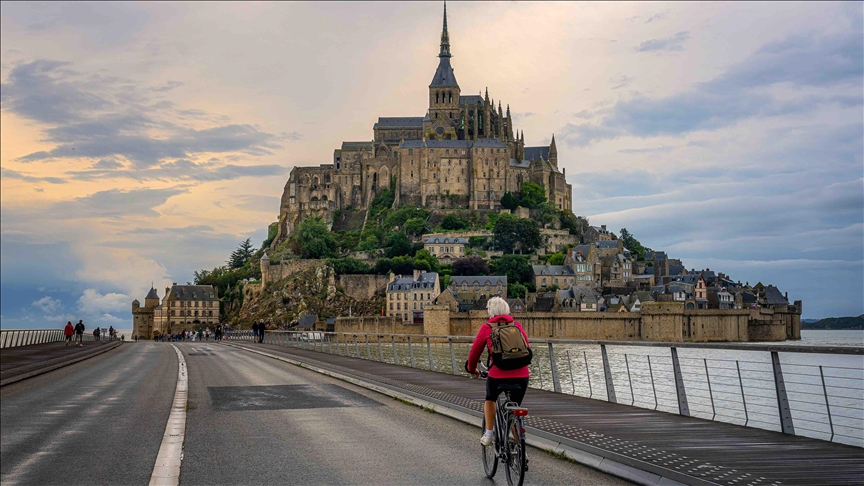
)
(813, 391)
(10, 338)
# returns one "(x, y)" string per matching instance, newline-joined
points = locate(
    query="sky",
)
(140, 142)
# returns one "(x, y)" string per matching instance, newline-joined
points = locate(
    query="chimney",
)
(174, 283)
(603, 226)
(167, 291)
(416, 274)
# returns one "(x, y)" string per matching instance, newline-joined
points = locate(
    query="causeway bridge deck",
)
(671, 447)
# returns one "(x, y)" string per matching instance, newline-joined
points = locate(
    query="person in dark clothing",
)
(96, 334)
(261, 332)
(79, 333)
(254, 331)
(111, 333)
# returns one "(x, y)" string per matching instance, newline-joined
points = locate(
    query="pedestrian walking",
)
(68, 331)
(111, 333)
(261, 332)
(96, 334)
(79, 333)
(255, 331)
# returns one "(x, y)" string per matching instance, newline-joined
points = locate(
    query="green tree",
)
(415, 226)
(575, 225)
(423, 260)
(546, 214)
(312, 239)
(509, 201)
(556, 259)
(516, 291)
(516, 267)
(632, 244)
(272, 230)
(454, 222)
(505, 232)
(242, 254)
(399, 245)
(470, 265)
(531, 195)
(370, 243)
(381, 202)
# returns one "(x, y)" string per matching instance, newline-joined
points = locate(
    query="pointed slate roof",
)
(152, 294)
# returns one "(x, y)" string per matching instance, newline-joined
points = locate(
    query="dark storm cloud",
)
(107, 117)
(740, 93)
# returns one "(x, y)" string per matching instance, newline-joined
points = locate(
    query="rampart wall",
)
(362, 287)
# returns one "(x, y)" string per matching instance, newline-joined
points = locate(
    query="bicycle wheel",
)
(515, 453)
(490, 458)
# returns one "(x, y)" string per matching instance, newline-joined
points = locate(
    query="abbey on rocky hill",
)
(462, 154)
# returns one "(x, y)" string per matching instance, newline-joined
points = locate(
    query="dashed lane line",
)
(166, 471)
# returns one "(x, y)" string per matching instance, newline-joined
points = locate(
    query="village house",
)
(445, 249)
(407, 297)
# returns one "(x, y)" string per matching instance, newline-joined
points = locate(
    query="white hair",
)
(498, 307)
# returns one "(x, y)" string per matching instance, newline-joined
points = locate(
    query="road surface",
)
(250, 420)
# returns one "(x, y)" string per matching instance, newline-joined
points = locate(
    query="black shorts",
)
(493, 388)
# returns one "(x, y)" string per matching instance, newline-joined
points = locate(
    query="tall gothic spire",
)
(445, 37)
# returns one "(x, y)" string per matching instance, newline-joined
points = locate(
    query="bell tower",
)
(444, 93)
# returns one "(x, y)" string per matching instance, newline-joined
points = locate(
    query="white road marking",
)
(166, 471)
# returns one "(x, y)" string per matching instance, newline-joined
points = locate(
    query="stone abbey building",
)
(462, 154)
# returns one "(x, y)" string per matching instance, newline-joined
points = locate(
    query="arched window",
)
(315, 180)
(437, 100)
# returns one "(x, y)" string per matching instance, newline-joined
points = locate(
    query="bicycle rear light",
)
(520, 412)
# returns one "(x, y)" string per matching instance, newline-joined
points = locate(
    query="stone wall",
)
(660, 321)
(362, 287)
(275, 271)
(376, 325)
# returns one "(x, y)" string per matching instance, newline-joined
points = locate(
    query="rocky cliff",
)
(282, 303)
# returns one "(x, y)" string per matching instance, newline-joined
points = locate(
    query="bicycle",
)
(509, 448)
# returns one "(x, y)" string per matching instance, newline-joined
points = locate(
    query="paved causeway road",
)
(251, 420)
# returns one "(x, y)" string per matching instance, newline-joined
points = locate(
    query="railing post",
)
(782, 401)
(827, 406)
(710, 394)
(380, 351)
(429, 351)
(393, 342)
(410, 352)
(539, 374)
(607, 374)
(570, 366)
(629, 379)
(356, 346)
(452, 356)
(683, 407)
(588, 374)
(556, 384)
(368, 353)
(651, 374)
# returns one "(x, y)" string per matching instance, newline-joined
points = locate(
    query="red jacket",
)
(484, 340)
(69, 330)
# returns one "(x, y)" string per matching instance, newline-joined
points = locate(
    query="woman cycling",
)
(499, 314)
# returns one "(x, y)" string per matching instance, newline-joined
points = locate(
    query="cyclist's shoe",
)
(487, 440)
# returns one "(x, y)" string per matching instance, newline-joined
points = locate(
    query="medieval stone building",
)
(463, 153)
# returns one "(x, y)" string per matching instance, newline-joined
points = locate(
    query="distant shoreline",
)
(835, 324)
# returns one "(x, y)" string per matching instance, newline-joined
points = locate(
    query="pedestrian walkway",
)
(684, 449)
(34, 358)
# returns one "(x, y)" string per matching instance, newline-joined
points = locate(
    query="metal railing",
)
(804, 390)
(11, 338)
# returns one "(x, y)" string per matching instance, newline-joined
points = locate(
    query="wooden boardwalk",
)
(703, 451)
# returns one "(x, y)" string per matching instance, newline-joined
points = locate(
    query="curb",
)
(538, 438)
(51, 367)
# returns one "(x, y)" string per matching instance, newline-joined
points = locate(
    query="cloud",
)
(742, 92)
(108, 118)
(115, 203)
(658, 16)
(11, 174)
(180, 170)
(674, 43)
(92, 302)
(620, 81)
(47, 304)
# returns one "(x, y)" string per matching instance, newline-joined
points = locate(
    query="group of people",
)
(199, 335)
(97, 333)
(258, 329)
(77, 331)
